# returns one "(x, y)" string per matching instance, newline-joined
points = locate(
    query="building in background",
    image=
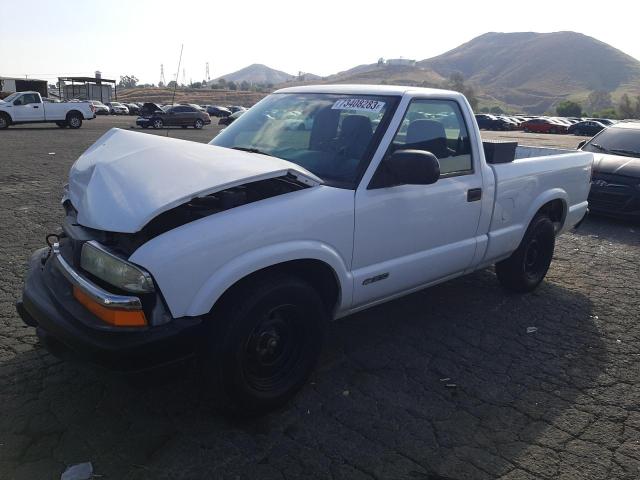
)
(11, 84)
(400, 62)
(88, 88)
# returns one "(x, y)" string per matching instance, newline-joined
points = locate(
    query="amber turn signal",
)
(113, 316)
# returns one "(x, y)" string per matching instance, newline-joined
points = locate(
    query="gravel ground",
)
(445, 383)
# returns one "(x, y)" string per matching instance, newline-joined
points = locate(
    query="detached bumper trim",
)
(104, 298)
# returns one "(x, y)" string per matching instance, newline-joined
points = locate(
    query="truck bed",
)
(523, 186)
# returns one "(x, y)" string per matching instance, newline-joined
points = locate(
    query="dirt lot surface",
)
(443, 383)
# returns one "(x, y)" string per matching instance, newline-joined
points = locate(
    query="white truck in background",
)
(242, 250)
(28, 107)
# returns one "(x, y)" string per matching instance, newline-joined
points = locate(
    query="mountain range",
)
(522, 71)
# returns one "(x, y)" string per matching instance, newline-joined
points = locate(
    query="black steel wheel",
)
(263, 343)
(528, 265)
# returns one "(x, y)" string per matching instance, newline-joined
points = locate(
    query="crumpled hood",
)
(126, 179)
(617, 165)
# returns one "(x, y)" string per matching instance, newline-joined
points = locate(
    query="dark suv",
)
(152, 115)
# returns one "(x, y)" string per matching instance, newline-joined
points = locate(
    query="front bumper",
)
(49, 305)
(615, 196)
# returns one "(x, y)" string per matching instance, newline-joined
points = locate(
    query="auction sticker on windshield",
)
(359, 104)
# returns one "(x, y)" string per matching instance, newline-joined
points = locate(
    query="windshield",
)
(332, 136)
(618, 141)
(11, 97)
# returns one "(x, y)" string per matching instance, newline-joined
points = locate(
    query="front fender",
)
(238, 268)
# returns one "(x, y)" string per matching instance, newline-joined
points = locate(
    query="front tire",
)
(4, 121)
(524, 270)
(264, 343)
(158, 123)
(198, 124)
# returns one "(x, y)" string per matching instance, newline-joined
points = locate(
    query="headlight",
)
(114, 270)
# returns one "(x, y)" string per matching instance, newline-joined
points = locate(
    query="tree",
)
(172, 84)
(569, 108)
(626, 108)
(598, 100)
(245, 86)
(232, 85)
(605, 113)
(196, 85)
(128, 81)
(456, 83)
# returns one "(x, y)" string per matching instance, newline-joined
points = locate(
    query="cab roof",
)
(397, 90)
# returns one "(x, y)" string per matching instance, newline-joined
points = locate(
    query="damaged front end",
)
(124, 191)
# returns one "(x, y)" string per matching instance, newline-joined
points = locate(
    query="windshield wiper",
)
(625, 152)
(251, 150)
(599, 147)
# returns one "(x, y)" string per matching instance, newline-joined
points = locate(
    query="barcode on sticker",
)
(359, 104)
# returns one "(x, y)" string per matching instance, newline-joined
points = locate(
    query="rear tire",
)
(74, 120)
(263, 344)
(158, 123)
(524, 270)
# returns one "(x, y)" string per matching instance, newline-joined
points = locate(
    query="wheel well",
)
(555, 210)
(7, 116)
(315, 272)
(73, 112)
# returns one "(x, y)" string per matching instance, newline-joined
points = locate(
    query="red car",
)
(543, 125)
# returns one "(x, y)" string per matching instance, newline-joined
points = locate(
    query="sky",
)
(134, 37)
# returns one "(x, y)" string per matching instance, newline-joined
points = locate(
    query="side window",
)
(30, 98)
(19, 101)
(436, 126)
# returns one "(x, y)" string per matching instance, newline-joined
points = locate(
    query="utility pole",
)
(162, 80)
(206, 75)
(184, 77)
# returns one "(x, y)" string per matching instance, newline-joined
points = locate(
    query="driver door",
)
(28, 108)
(407, 236)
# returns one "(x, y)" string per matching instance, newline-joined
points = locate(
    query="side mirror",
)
(407, 167)
(581, 144)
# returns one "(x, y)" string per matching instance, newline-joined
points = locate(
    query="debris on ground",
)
(80, 471)
(346, 393)
(532, 329)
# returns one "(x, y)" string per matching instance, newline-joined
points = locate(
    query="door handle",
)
(474, 194)
(35, 106)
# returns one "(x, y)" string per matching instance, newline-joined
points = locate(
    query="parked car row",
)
(543, 124)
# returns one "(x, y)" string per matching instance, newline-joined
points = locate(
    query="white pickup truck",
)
(28, 107)
(243, 249)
